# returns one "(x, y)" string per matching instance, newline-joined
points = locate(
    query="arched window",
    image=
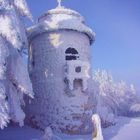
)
(71, 54)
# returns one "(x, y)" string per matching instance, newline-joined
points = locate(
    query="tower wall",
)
(61, 101)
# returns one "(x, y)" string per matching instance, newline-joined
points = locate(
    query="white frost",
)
(14, 78)
(48, 134)
(114, 98)
(97, 134)
(4, 110)
(61, 18)
(22, 7)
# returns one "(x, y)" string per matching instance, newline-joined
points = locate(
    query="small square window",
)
(78, 69)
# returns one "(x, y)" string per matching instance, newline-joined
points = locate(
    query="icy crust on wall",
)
(61, 18)
(72, 75)
(14, 79)
(55, 104)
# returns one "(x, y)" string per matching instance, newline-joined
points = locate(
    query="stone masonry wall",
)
(55, 104)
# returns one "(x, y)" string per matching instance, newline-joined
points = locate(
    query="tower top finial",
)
(59, 3)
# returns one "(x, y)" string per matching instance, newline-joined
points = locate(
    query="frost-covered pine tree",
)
(14, 78)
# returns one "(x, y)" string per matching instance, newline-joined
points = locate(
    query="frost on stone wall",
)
(82, 74)
(66, 110)
(14, 78)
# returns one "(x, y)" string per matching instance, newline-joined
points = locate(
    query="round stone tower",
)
(60, 71)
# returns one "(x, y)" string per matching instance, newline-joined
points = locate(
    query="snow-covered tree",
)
(114, 98)
(126, 96)
(14, 78)
(106, 104)
(4, 110)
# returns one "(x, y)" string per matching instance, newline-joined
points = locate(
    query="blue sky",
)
(117, 27)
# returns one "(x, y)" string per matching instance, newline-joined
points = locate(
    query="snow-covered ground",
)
(125, 129)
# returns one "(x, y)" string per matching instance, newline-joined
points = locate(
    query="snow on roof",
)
(62, 10)
(60, 18)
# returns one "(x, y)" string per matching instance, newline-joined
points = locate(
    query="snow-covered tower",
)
(60, 71)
